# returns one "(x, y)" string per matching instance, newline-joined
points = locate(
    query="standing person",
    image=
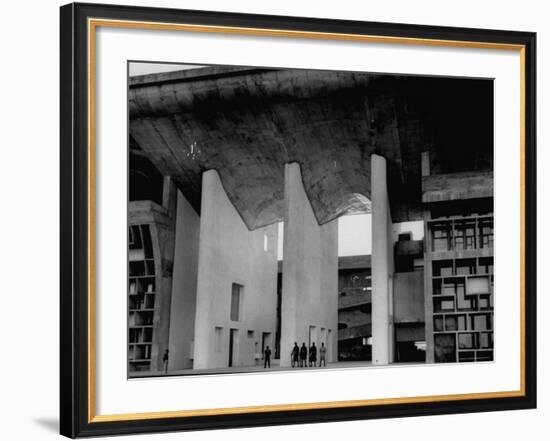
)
(322, 355)
(165, 361)
(295, 355)
(312, 355)
(303, 355)
(267, 357)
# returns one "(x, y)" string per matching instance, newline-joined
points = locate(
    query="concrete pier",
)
(382, 263)
(184, 286)
(310, 273)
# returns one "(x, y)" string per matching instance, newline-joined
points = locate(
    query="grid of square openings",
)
(141, 298)
(462, 288)
(462, 234)
(463, 309)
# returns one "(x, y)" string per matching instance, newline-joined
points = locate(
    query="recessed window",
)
(485, 227)
(438, 323)
(218, 332)
(450, 323)
(486, 265)
(466, 341)
(465, 235)
(443, 268)
(441, 236)
(478, 285)
(443, 305)
(465, 267)
(236, 298)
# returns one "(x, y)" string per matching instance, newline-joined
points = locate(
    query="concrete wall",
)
(184, 286)
(408, 297)
(310, 273)
(230, 253)
(457, 186)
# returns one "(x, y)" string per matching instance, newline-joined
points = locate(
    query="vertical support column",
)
(428, 290)
(293, 254)
(382, 262)
(428, 281)
(310, 269)
(184, 285)
(329, 288)
(204, 338)
(165, 235)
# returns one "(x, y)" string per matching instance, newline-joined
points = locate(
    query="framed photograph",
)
(275, 220)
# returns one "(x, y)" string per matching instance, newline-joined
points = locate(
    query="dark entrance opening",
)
(409, 351)
(232, 337)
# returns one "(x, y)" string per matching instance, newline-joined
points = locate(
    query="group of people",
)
(299, 355)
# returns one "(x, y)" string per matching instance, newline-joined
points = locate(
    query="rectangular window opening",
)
(218, 332)
(236, 299)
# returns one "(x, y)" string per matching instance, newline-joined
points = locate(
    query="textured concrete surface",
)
(457, 186)
(382, 263)
(184, 286)
(248, 123)
(230, 253)
(408, 291)
(310, 273)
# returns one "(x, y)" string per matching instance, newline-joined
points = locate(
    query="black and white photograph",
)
(294, 219)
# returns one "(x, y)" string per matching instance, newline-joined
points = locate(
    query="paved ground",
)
(259, 368)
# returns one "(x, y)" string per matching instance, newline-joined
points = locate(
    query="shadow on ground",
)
(50, 424)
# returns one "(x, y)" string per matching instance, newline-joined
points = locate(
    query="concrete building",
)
(355, 304)
(219, 156)
(354, 308)
(459, 265)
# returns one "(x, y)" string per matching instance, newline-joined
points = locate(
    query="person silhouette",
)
(313, 355)
(295, 355)
(322, 355)
(303, 355)
(267, 357)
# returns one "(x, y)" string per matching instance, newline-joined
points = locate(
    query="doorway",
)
(266, 341)
(232, 344)
(312, 336)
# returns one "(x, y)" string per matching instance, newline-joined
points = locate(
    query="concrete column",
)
(309, 304)
(382, 263)
(203, 345)
(184, 286)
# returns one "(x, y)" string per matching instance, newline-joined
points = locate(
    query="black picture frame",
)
(75, 413)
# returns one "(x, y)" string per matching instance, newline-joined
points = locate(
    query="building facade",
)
(354, 308)
(459, 261)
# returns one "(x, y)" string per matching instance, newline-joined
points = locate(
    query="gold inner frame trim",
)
(263, 32)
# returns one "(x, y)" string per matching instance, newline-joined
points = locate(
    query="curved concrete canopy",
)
(247, 123)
